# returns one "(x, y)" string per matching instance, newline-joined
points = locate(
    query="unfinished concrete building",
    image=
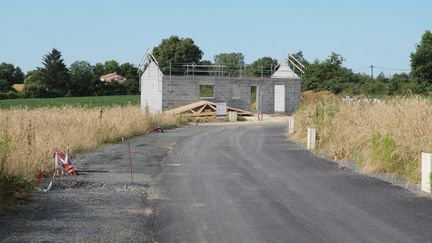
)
(277, 93)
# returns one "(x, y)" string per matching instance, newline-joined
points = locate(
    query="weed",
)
(383, 149)
(4, 146)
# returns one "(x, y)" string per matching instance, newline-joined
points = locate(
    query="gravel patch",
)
(100, 205)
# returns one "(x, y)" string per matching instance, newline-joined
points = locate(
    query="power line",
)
(394, 69)
(358, 69)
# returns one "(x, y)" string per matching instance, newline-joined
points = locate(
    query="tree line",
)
(55, 79)
(328, 74)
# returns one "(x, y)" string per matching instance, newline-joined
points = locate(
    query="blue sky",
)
(382, 33)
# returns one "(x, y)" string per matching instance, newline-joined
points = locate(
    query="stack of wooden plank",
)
(204, 108)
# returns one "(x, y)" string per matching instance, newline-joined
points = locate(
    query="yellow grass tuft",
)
(27, 137)
(386, 137)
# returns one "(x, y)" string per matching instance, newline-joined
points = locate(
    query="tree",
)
(83, 79)
(55, 74)
(421, 59)
(129, 71)
(177, 52)
(18, 77)
(111, 66)
(234, 62)
(99, 69)
(327, 75)
(4, 85)
(264, 66)
(7, 71)
(10, 75)
(34, 85)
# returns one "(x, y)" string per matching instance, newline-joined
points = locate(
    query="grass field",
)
(84, 102)
(385, 137)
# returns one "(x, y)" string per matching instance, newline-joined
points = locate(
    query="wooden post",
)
(426, 172)
(311, 138)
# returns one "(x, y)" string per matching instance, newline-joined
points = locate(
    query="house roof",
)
(284, 71)
(110, 75)
(18, 87)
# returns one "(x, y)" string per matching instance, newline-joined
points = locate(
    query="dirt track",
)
(98, 207)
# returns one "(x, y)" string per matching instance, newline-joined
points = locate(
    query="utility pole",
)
(372, 67)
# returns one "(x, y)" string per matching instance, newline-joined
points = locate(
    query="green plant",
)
(383, 148)
(4, 146)
(319, 115)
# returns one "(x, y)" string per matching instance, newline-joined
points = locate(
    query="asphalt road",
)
(249, 184)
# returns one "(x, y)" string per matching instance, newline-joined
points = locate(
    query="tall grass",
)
(386, 137)
(28, 136)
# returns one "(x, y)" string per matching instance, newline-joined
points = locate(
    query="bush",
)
(34, 90)
(9, 95)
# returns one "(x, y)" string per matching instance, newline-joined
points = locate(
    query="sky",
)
(367, 32)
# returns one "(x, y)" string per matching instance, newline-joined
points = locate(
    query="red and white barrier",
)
(62, 162)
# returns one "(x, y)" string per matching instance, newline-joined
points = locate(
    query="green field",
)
(88, 102)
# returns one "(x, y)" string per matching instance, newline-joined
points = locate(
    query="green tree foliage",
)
(10, 75)
(264, 66)
(55, 74)
(4, 85)
(34, 85)
(327, 75)
(99, 69)
(7, 71)
(18, 77)
(421, 59)
(84, 81)
(129, 71)
(177, 51)
(234, 62)
(111, 66)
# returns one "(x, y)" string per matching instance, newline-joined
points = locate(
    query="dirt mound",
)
(314, 97)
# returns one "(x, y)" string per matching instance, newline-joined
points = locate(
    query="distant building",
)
(279, 92)
(18, 87)
(112, 78)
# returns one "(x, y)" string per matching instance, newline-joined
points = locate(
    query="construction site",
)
(196, 90)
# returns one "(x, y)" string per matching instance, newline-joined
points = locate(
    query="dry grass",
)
(27, 137)
(387, 137)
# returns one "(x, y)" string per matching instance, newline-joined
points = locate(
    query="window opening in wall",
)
(254, 92)
(206, 91)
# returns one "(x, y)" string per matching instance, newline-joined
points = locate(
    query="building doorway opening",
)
(254, 98)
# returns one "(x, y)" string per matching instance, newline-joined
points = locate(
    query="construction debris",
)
(204, 108)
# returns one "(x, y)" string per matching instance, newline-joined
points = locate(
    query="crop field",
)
(84, 102)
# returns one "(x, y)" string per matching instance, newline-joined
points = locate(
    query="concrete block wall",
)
(151, 89)
(182, 90)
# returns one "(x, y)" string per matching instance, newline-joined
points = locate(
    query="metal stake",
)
(130, 163)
